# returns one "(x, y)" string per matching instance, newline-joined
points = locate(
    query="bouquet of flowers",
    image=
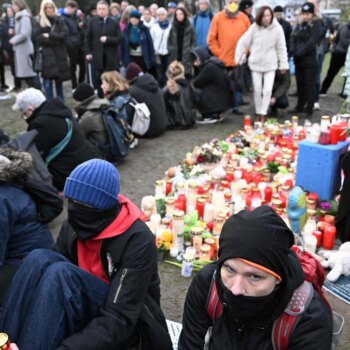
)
(210, 152)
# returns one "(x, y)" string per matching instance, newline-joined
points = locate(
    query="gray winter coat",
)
(23, 46)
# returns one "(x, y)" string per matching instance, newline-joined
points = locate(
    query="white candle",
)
(310, 242)
(208, 215)
(155, 220)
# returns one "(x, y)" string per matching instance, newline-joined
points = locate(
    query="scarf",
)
(134, 37)
(164, 24)
(89, 258)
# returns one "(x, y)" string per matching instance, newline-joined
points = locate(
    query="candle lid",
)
(180, 185)
(209, 241)
(205, 248)
(311, 212)
(193, 185)
(169, 200)
(178, 214)
(201, 200)
(159, 182)
(188, 257)
(196, 231)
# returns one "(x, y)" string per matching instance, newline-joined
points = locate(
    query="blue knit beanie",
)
(95, 182)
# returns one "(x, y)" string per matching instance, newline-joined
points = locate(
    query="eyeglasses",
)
(49, 7)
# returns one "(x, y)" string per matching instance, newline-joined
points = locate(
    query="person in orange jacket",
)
(225, 30)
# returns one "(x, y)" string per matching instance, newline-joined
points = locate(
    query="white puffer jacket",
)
(267, 46)
(160, 39)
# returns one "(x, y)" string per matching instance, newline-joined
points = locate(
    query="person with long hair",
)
(50, 33)
(268, 52)
(22, 44)
(182, 40)
(116, 89)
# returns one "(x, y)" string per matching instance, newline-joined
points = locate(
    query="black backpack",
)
(118, 131)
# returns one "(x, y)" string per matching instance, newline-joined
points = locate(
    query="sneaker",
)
(134, 143)
(316, 106)
(322, 94)
(13, 89)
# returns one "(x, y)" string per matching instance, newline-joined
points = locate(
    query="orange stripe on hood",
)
(262, 268)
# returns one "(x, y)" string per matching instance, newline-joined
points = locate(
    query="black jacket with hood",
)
(214, 83)
(134, 282)
(49, 120)
(145, 89)
(312, 331)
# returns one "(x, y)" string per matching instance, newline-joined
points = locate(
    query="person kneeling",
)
(280, 88)
(211, 87)
(100, 288)
(255, 278)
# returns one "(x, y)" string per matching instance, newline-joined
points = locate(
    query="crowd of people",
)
(67, 44)
(97, 286)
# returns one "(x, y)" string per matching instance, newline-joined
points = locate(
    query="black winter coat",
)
(74, 37)
(313, 332)
(304, 41)
(105, 55)
(189, 43)
(133, 254)
(287, 29)
(214, 83)
(55, 58)
(145, 89)
(49, 120)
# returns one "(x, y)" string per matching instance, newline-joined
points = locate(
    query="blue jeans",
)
(48, 86)
(320, 58)
(48, 300)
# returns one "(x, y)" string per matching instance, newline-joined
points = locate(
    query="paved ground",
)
(148, 162)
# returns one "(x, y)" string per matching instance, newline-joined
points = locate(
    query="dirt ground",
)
(152, 158)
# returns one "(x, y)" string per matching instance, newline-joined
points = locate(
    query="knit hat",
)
(308, 7)
(259, 238)
(172, 5)
(135, 13)
(132, 70)
(95, 182)
(245, 4)
(83, 92)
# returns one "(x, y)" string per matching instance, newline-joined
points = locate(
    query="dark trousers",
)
(161, 69)
(97, 81)
(48, 300)
(77, 59)
(337, 61)
(306, 85)
(6, 274)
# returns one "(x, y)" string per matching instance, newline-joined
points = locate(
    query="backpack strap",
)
(286, 323)
(56, 150)
(213, 304)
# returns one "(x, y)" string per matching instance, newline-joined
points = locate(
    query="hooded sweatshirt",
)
(49, 120)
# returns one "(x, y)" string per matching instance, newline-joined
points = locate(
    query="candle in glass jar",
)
(169, 207)
(310, 242)
(178, 228)
(209, 212)
(196, 236)
(200, 204)
(192, 194)
(329, 237)
(318, 235)
(205, 252)
(218, 223)
(155, 220)
(329, 219)
(168, 187)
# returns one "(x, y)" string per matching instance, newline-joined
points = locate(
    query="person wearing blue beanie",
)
(100, 288)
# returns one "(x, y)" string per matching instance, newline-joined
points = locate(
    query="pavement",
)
(148, 162)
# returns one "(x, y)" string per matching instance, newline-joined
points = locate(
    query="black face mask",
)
(89, 222)
(245, 309)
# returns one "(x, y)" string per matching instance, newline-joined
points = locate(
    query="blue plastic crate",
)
(318, 168)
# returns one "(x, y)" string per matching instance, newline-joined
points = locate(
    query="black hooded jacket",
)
(312, 331)
(214, 83)
(49, 120)
(145, 89)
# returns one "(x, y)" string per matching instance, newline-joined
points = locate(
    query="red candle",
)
(200, 207)
(257, 178)
(181, 203)
(329, 237)
(247, 176)
(268, 194)
(342, 133)
(248, 200)
(329, 219)
(334, 134)
(318, 235)
(168, 187)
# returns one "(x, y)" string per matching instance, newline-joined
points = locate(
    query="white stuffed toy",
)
(338, 261)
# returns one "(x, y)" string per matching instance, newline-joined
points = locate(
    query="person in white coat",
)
(266, 43)
(160, 33)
